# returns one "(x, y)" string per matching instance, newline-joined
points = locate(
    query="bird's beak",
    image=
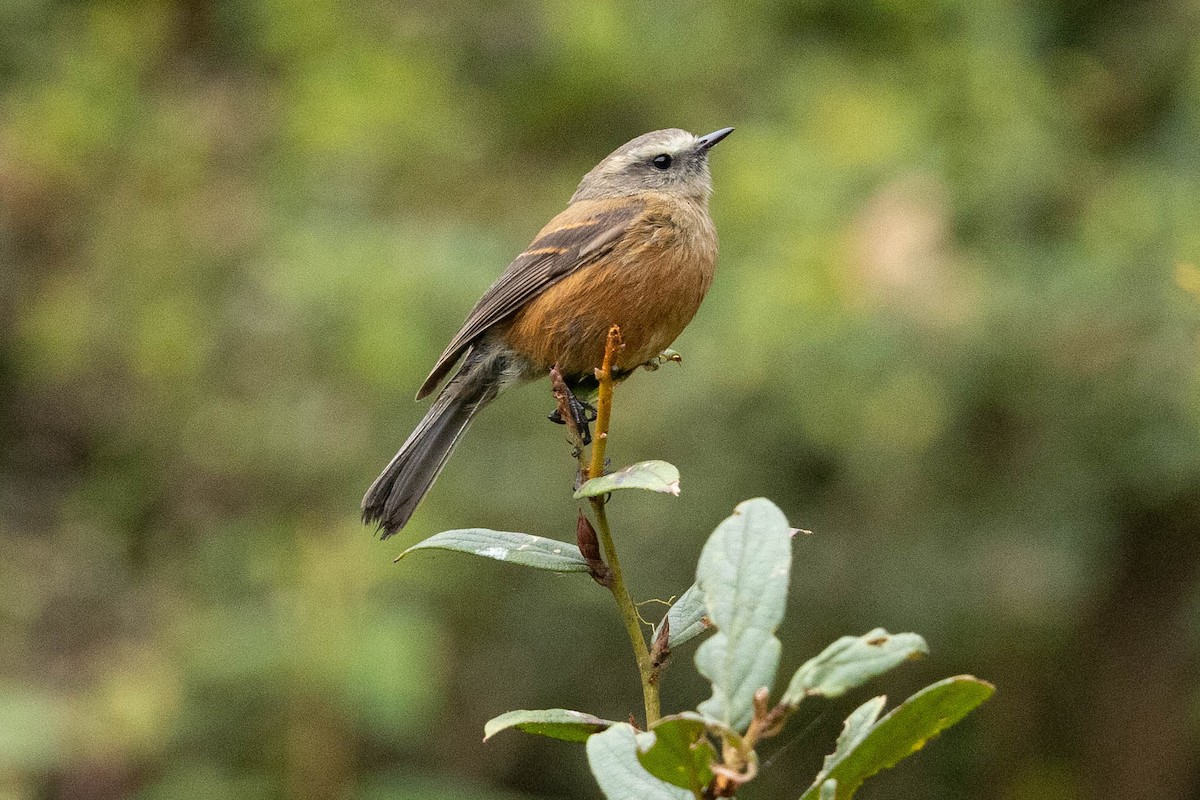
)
(706, 142)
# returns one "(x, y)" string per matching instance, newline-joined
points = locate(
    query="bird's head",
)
(671, 161)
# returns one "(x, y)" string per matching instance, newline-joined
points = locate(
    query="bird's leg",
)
(581, 414)
(662, 358)
(584, 407)
(571, 411)
(587, 409)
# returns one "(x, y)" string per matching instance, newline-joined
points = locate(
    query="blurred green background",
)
(953, 332)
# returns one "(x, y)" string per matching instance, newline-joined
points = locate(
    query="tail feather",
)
(395, 494)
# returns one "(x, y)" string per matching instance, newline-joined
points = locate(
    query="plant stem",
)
(604, 401)
(619, 591)
(629, 615)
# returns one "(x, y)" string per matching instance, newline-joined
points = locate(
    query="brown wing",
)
(582, 233)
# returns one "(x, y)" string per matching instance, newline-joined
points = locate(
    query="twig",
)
(647, 669)
(629, 615)
(604, 400)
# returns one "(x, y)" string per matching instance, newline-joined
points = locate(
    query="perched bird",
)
(635, 248)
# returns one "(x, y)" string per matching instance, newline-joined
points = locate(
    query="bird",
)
(635, 247)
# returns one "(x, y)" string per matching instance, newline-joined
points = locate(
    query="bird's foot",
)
(662, 358)
(581, 414)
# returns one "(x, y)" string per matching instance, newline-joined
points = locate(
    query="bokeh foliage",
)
(953, 332)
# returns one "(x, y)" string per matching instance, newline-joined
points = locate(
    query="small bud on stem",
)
(589, 546)
(660, 650)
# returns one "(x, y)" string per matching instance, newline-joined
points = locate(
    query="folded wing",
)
(583, 233)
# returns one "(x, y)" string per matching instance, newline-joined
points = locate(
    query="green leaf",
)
(829, 790)
(557, 723)
(688, 617)
(652, 476)
(516, 548)
(855, 729)
(743, 575)
(612, 756)
(850, 662)
(904, 731)
(677, 750)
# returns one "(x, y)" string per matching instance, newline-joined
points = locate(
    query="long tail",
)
(395, 494)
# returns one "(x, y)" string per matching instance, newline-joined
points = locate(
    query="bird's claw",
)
(581, 414)
(662, 358)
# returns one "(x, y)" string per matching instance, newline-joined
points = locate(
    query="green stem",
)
(616, 585)
(629, 614)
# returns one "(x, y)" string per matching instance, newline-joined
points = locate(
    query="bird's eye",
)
(662, 162)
